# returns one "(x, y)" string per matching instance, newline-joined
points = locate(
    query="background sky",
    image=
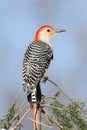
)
(19, 20)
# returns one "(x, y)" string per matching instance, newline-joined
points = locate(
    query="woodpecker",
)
(36, 62)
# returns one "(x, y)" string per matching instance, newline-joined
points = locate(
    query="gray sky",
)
(19, 20)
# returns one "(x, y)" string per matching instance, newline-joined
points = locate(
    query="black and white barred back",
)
(36, 61)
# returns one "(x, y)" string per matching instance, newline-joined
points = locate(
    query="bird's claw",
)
(44, 79)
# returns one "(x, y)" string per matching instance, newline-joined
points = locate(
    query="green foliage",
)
(5, 122)
(62, 112)
(70, 116)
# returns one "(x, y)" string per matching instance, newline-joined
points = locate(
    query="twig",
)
(34, 117)
(37, 117)
(45, 112)
(25, 114)
(56, 122)
(78, 99)
(40, 123)
(19, 92)
(49, 96)
(23, 104)
(45, 105)
(19, 111)
(60, 90)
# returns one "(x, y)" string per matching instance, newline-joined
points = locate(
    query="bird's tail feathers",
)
(35, 96)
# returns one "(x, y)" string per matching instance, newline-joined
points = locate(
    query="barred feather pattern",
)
(36, 61)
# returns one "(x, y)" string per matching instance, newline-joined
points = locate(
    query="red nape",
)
(40, 29)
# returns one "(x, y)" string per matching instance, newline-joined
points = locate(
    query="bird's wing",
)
(36, 61)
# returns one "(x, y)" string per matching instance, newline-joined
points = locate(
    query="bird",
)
(36, 61)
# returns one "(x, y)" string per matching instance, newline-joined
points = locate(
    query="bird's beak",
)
(59, 31)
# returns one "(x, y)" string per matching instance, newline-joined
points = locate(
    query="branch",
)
(37, 116)
(60, 90)
(40, 123)
(25, 114)
(17, 114)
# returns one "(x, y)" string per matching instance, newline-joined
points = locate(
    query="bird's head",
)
(45, 33)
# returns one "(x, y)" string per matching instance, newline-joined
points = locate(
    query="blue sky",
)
(19, 20)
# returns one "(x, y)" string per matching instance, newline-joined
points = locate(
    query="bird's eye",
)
(48, 30)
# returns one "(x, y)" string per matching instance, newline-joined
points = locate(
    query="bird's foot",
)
(44, 79)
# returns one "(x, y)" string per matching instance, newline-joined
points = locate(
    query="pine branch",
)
(61, 112)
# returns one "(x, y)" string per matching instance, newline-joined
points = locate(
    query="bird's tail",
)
(35, 96)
